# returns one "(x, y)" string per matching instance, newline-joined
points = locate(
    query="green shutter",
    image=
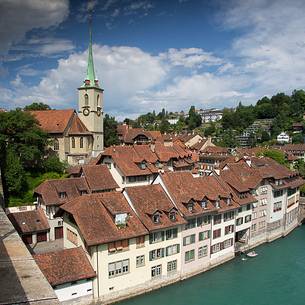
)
(175, 232)
(150, 255)
(192, 238)
(150, 238)
(162, 234)
(184, 241)
(178, 248)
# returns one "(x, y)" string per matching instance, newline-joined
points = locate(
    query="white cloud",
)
(190, 57)
(17, 17)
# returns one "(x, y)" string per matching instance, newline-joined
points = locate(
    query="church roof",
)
(53, 121)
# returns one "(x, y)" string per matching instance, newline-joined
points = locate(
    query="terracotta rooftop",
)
(150, 199)
(58, 191)
(94, 215)
(65, 266)
(78, 127)
(98, 178)
(29, 221)
(53, 121)
(294, 147)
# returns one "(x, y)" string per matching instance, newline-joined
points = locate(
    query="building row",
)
(139, 238)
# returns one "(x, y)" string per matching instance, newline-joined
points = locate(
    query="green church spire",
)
(90, 77)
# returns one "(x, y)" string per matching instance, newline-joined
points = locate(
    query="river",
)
(275, 277)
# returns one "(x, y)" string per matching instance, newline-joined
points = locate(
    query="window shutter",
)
(192, 238)
(178, 248)
(162, 234)
(162, 252)
(175, 231)
(150, 238)
(184, 241)
(150, 255)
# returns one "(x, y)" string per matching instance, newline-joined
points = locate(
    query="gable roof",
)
(53, 121)
(94, 215)
(50, 190)
(78, 127)
(151, 198)
(29, 221)
(65, 266)
(98, 177)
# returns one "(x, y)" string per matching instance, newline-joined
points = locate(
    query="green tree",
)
(110, 131)
(164, 126)
(37, 106)
(276, 155)
(194, 119)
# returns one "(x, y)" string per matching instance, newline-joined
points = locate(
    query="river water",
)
(275, 277)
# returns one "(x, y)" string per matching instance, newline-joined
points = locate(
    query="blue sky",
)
(151, 54)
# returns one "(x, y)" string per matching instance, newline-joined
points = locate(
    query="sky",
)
(151, 54)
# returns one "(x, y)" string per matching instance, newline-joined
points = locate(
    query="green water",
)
(275, 277)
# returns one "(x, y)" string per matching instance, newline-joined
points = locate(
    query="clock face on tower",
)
(86, 111)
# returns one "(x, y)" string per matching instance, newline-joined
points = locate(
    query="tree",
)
(210, 130)
(164, 126)
(265, 136)
(110, 131)
(298, 138)
(274, 154)
(194, 119)
(37, 106)
(300, 167)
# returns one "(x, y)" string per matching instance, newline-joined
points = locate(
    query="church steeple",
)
(90, 77)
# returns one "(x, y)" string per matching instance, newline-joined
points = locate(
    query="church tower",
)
(90, 103)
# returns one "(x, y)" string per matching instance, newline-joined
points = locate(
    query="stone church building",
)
(77, 135)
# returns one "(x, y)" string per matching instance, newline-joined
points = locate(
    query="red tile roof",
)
(50, 190)
(78, 127)
(65, 266)
(29, 221)
(94, 215)
(149, 199)
(53, 121)
(98, 178)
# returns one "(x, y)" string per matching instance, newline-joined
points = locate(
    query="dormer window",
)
(204, 204)
(217, 204)
(143, 165)
(229, 201)
(190, 207)
(121, 219)
(83, 192)
(173, 215)
(156, 218)
(62, 195)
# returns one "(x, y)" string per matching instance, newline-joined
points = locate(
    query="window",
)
(73, 142)
(172, 233)
(190, 206)
(156, 254)
(171, 250)
(132, 179)
(140, 261)
(217, 219)
(204, 235)
(254, 215)
(190, 224)
(98, 101)
(239, 221)
(118, 268)
(173, 215)
(62, 195)
(229, 229)
(240, 210)
(81, 142)
(277, 193)
(216, 233)
(291, 191)
(228, 216)
(119, 245)
(253, 227)
(248, 206)
(156, 218)
(277, 206)
(187, 240)
(247, 218)
(217, 204)
(56, 144)
(215, 248)
(202, 251)
(204, 204)
(156, 271)
(264, 201)
(172, 266)
(140, 241)
(264, 190)
(228, 243)
(189, 256)
(86, 100)
(262, 224)
(156, 237)
(143, 165)
(229, 202)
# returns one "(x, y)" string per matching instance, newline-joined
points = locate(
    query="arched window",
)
(98, 101)
(56, 144)
(73, 142)
(86, 100)
(81, 142)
